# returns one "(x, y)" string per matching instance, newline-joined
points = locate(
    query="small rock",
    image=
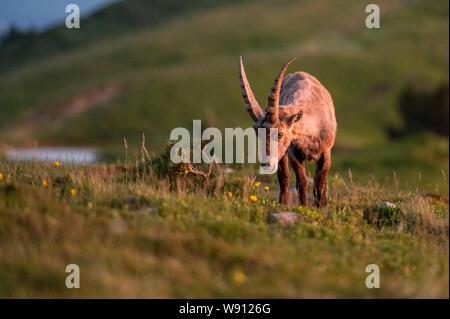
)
(147, 210)
(228, 170)
(386, 204)
(384, 214)
(130, 199)
(288, 218)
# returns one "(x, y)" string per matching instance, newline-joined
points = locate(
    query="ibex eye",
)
(280, 135)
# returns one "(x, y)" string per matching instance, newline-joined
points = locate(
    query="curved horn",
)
(274, 96)
(252, 105)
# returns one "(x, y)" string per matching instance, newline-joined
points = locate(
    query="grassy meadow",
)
(151, 79)
(132, 235)
(137, 229)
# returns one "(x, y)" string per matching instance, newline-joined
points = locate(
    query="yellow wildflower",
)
(73, 191)
(1, 176)
(230, 194)
(56, 163)
(186, 172)
(239, 277)
(253, 198)
(44, 183)
(266, 188)
(257, 184)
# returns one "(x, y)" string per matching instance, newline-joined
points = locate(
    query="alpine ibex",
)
(302, 110)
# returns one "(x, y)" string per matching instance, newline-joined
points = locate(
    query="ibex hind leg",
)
(321, 179)
(283, 179)
(302, 180)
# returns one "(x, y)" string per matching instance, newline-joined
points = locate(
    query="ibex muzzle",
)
(302, 111)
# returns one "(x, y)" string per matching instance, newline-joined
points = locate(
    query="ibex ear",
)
(294, 118)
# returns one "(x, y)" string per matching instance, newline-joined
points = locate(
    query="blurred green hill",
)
(150, 66)
(119, 18)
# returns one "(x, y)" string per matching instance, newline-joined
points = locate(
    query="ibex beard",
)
(302, 111)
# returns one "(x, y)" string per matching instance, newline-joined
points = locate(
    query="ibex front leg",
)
(321, 179)
(283, 179)
(302, 180)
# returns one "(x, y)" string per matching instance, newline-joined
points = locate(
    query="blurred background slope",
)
(149, 66)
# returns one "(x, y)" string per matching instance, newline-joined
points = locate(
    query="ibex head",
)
(270, 118)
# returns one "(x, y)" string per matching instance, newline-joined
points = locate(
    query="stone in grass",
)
(147, 211)
(288, 218)
(383, 214)
(386, 204)
(228, 170)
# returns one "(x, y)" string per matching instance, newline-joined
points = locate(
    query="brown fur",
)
(307, 129)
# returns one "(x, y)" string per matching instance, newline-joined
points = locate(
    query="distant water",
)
(51, 154)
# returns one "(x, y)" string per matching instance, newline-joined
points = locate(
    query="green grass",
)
(178, 241)
(140, 239)
(185, 68)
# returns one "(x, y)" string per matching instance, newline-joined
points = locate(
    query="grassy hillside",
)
(160, 77)
(132, 236)
(136, 230)
(121, 17)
